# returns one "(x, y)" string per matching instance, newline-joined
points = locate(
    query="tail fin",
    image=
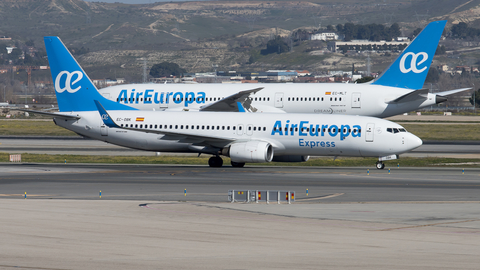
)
(411, 67)
(74, 90)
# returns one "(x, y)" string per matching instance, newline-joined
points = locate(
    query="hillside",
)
(197, 35)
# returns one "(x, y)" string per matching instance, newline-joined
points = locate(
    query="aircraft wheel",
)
(380, 165)
(237, 164)
(215, 162)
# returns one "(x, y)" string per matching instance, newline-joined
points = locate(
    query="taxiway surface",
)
(412, 218)
(81, 146)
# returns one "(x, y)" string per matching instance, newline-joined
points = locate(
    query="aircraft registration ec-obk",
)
(243, 136)
(397, 90)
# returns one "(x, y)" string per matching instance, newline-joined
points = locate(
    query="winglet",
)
(107, 120)
(240, 107)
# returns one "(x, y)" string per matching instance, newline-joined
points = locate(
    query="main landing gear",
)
(237, 164)
(380, 165)
(215, 161)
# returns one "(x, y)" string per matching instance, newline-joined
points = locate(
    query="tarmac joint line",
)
(429, 225)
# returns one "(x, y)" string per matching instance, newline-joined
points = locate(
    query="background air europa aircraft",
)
(397, 90)
(243, 136)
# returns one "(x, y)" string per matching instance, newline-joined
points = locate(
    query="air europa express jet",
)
(243, 136)
(398, 90)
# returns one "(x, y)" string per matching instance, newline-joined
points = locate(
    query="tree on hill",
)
(441, 50)
(432, 76)
(416, 32)
(475, 95)
(462, 30)
(373, 31)
(166, 69)
(276, 45)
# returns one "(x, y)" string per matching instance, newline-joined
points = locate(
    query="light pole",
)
(474, 101)
(4, 97)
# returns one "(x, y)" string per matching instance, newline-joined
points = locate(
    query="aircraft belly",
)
(147, 142)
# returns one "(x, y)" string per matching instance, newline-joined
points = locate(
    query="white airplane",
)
(395, 92)
(243, 136)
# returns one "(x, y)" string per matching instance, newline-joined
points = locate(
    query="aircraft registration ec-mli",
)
(398, 90)
(241, 135)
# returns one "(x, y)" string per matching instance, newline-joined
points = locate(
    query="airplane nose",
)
(414, 141)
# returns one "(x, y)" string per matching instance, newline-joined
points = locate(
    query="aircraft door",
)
(356, 100)
(278, 100)
(369, 132)
(163, 101)
(103, 130)
(240, 130)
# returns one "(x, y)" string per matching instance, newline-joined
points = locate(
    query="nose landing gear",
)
(380, 165)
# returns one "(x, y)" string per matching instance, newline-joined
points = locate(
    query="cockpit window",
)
(396, 130)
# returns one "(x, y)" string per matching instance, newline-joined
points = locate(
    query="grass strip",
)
(450, 132)
(203, 160)
(32, 128)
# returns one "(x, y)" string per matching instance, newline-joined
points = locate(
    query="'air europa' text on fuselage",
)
(315, 130)
(151, 97)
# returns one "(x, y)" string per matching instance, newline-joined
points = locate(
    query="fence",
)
(261, 196)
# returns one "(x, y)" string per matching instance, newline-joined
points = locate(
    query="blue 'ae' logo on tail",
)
(74, 90)
(411, 67)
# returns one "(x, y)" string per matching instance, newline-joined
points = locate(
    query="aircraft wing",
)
(414, 95)
(67, 116)
(169, 135)
(229, 104)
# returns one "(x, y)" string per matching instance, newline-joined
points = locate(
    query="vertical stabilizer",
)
(74, 90)
(411, 67)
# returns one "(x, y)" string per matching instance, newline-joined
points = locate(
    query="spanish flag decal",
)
(140, 119)
(328, 93)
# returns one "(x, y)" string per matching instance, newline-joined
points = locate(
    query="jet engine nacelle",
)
(252, 151)
(290, 158)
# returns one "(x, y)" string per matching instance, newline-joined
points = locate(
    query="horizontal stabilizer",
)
(229, 104)
(412, 96)
(66, 116)
(451, 92)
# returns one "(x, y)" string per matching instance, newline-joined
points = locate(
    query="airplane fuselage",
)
(289, 134)
(344, 99)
